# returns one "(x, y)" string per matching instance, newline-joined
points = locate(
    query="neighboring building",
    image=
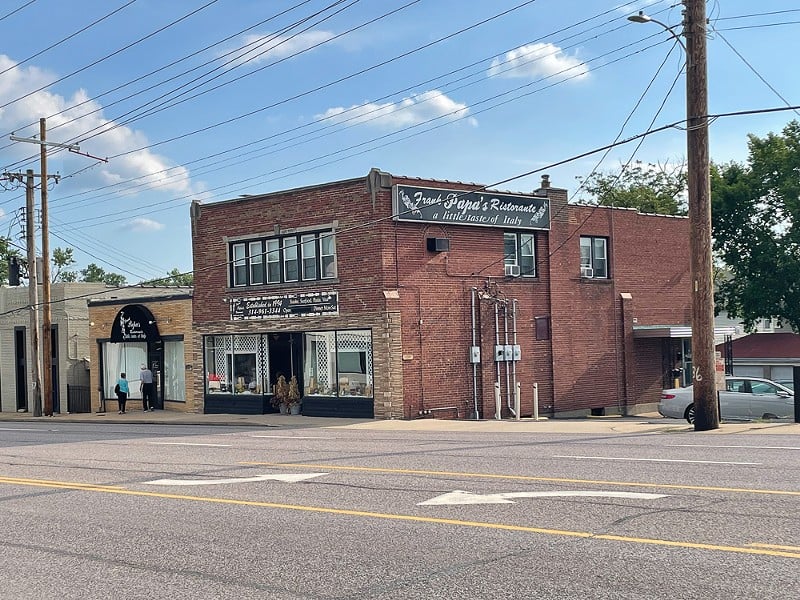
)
(151, 326)
(70, 348)
(770, 355)
(397, 297)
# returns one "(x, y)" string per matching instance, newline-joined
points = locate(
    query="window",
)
(174, 373)
(594, 257)
(239, 265)
(338, 363)
(520, 249)
(256, 252)
(235, 364)
(307, 257)
(308, 248)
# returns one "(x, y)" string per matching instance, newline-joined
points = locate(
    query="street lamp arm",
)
(643, 18)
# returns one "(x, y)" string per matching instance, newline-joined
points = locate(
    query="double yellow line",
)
(757, 549)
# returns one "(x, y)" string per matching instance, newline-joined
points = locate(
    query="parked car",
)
(789, 383)
(743, 398)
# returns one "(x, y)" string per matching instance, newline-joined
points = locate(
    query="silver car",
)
(743, 398)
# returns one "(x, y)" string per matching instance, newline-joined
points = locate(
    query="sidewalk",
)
(648, 423)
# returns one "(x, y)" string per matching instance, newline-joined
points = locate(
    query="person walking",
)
(122, 391)
(146, 387)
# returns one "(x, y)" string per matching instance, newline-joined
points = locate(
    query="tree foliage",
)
(756, 225)
(94, 273)
(650, 188)
(174, 277)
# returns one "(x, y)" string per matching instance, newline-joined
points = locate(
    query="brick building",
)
(149, 326)
(397, 297)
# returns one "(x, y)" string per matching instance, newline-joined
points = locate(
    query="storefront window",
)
(174, 378)
(235, 364)
(123, 358)
(338, 363)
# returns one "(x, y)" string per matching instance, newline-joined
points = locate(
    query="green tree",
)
(756, 225)
(174, 277)
(62, 259)
(650, 188)
(94, 273)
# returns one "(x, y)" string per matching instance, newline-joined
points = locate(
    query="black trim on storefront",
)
(344, 407)
(237, 404)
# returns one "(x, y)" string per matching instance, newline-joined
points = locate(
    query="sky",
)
(170, 102)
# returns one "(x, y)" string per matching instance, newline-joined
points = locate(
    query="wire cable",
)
(16, 10)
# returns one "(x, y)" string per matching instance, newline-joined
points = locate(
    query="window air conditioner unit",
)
(587, 272)
(512, 270)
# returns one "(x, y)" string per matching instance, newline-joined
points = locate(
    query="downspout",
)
(472, 358)
(508, 367)
(514, 342)
(497, 387)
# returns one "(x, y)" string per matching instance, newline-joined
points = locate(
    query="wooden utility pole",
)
(47, 335)
(33, 293)
(703, 351)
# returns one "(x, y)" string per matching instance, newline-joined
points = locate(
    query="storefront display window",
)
(123, 358)
(235, 364)
(338, 363)
(174, 376)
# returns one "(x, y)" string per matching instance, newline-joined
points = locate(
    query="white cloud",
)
(413, 110)
(257, 49)
(142, 224)
(73, 124)
(538, 60)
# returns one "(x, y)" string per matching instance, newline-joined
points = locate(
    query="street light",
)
(699, 189)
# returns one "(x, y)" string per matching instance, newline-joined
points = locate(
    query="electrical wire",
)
(16, 10)
(373, 222)
(69, 37)
(755, 72)
(107, 56)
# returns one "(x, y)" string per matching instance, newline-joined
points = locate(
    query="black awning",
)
(134, 323)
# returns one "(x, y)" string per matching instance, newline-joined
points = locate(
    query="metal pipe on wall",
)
(476, 414)
(509, 389)
(514, 382)
(497, 386)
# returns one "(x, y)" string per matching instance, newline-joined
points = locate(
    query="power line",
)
(16, 10)
(61, 41)
(107, 56)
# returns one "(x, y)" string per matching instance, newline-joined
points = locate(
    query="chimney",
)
(545, 182)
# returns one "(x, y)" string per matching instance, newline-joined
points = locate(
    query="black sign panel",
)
(134, 323)
(290, 305)
(484, 208)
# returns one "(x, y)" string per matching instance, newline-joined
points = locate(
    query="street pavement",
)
(645, 423)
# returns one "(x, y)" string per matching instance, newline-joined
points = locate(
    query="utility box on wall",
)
(475, 354)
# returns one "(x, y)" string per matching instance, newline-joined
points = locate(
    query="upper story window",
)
(304, 257)
(594, 257)
(519, 250)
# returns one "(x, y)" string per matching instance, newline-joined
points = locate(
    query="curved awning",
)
(134, 323)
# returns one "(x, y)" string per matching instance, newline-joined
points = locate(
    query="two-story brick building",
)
(397, 297)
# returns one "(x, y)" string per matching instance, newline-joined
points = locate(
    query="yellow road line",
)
(674, 486)
(776, 547)
(763, 551)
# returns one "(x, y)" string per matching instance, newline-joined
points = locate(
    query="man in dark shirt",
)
(146, 387)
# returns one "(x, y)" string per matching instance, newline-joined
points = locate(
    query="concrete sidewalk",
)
(648, 423)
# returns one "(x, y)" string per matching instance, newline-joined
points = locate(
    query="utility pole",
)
(33, 293)
(47, 334)
(702, 281)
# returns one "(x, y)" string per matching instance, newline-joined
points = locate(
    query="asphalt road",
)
(157, 511)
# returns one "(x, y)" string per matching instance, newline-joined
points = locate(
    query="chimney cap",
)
(545, 181)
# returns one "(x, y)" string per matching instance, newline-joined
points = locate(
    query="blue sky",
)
(210, 99)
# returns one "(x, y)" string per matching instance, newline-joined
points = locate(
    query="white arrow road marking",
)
(289, 478)
(462, 497)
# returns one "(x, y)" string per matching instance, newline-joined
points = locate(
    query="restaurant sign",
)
(458, 207)
(315, 304)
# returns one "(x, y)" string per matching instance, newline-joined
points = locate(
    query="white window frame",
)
(594, 266)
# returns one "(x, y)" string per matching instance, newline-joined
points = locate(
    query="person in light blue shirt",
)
(122, 390)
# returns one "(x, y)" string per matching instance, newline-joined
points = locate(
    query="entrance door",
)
(21, 368)
(286, 357)
(54, 369)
